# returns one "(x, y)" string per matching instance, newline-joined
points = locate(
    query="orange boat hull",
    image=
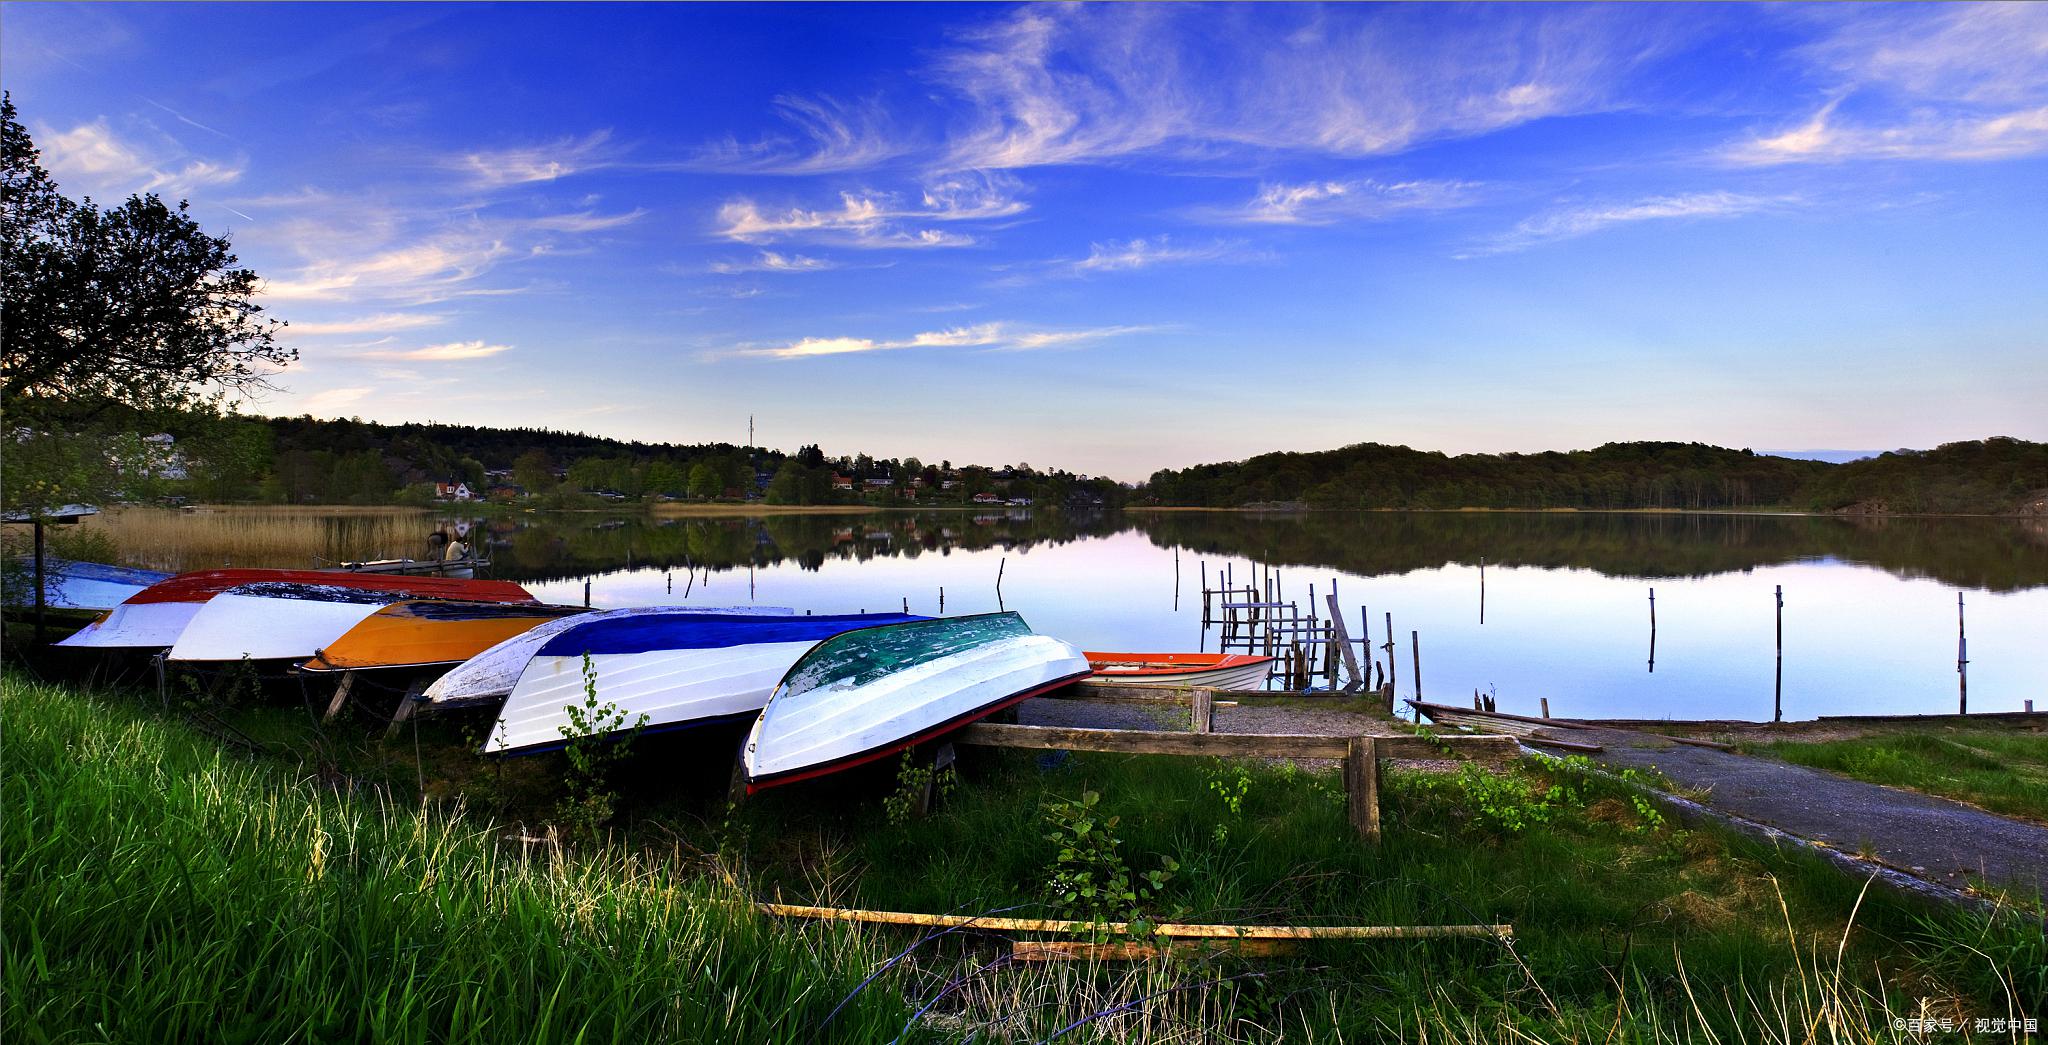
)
(415, 634)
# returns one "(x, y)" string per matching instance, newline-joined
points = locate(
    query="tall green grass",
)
(158, 888)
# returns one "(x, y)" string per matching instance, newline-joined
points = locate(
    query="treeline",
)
(302, 460)
(1993, 476)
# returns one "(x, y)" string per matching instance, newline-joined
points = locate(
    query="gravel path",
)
(1934, 838)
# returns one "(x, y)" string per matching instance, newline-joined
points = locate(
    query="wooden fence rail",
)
(1360, 755)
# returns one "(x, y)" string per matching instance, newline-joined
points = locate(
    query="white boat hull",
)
(1243, 676)
(844, 723)
(232, 627)
(668, 687)
(491, 675)
(147, 625)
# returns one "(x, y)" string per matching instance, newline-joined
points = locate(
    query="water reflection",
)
(1531, 606)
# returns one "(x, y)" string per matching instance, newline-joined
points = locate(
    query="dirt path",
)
(1934, 838)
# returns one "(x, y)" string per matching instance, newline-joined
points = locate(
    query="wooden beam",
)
(1092, 689)
(1202, 711)
(1169, 930)
(1261, 745)
(406, 705)
(1564, 745)
(348, 681)
(1362, 787)
(1129, 951)
(1343, 639)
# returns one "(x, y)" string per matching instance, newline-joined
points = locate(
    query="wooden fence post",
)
(348, 681)
(1362, 787)
(1202, 714)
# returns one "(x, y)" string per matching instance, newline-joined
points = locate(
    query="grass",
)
(2001, 771)
(159, 886)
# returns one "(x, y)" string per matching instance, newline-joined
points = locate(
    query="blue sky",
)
(1106, 238)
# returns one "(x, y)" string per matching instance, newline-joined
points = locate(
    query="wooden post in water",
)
(42, 594)
(586, 595)
(1341, 640)
(1962, 661)
(942, 598)
(1392, 678)
(1415, 647)
(670, 576)
(1653, 630)
(1000, 567)
(1546, 707)
(1482, 589)
(1362, 787)
(1778, 701)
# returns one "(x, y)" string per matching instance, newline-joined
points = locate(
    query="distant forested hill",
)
(1989, 476)
(1993, 476)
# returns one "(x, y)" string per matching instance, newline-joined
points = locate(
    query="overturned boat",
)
(420, 633)
(156, 616)
(488, 677)
(868, 694)
(665, 670)
(72, 585)
(1207, 670)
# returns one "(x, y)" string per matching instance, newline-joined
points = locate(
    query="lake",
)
(1869, 620)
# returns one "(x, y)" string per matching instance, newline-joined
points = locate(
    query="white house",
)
(455, 491)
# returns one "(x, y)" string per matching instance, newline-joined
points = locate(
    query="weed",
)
(912, 781)
(598, 737)
(1088, 879)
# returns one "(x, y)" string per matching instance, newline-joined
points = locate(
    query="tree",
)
(135, 306)
(534, 471)
(788, 485)
(117, 322)
(705, 481)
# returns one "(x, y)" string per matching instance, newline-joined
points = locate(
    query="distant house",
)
(167, 463)
(455, 491)
(1020, 502)
(987, 498)
(948, 484)
(881, 481)
(842, 482)
(507, 492)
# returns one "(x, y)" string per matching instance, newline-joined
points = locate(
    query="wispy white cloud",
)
(1920, 82)
(452, 352)
(434, 268)
(521, 165)
(1084, 84)
(381, 323)
(1920, 136)
(878, 219)
(1572, 222)
(333, 399)
(1328, 201)
(587, 221)
(1140, 253)
(92, 157)
(770, 261)
(830, 135)
(985, 336)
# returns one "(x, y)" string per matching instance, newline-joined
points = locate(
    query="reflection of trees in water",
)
(1996, 554)
(561, 546)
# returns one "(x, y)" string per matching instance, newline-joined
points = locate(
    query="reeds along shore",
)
(160, 887)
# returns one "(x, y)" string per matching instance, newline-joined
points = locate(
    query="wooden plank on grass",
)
(1129, 951)
(1254, 745)
(1171, 930)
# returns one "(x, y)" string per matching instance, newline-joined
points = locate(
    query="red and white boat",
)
(1207, 670)
(156, 616)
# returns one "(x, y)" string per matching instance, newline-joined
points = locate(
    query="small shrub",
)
(911, 781)
(594, 745)
(1088, 879)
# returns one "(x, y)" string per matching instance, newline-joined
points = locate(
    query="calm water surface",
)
(1870, 605)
